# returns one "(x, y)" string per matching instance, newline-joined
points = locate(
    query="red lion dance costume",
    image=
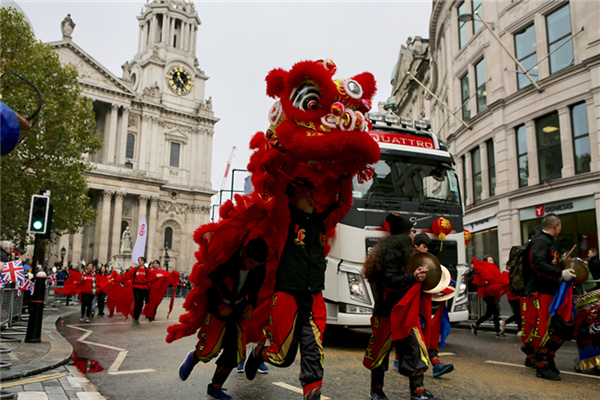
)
(318, 131)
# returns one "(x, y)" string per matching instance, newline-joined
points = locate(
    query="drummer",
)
(385, 269)
(542, 277)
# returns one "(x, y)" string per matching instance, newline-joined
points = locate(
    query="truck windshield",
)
(409, 178)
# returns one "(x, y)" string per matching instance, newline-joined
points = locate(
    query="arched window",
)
(130, 145)
(168, 238)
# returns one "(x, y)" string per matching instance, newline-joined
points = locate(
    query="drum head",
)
(581, 270)
(429, 261)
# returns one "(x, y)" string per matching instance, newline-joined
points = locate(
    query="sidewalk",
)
(39, 371)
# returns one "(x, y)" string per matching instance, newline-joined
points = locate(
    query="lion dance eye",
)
(306, 97)
(353, 89)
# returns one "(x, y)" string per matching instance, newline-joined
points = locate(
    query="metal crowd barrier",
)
(12, 310)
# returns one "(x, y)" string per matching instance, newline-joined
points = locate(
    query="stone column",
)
(75, 252)
(143, 208)
(140, 36)
(153, 247)
(103, 255)
(566, 143)
(153, 31)
(115, 246)
(112, 134)
(194, 37)
(165, 29)
(123, 131)
(532, 156)
(485, 173)
(144, 136)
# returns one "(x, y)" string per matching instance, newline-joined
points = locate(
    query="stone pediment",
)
(90, 71)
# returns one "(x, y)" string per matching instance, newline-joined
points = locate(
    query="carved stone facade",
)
(157, 129)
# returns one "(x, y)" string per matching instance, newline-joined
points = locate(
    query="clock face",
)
(180, 80)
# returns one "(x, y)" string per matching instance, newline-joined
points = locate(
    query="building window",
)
(465, 96)
(476, 172)
(548, 147)
(525, 51)
(174, 156)
(464, 176)
(491, 159)
(462, 26)
(581, 138)
(168, 238)
(130, 145)
(522, 157)
(480, 82)
(559, 35)
(476, 6)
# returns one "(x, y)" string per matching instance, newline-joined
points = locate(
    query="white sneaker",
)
(519, 333)
(502, 326)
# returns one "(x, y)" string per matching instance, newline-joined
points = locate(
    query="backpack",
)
(515, 276)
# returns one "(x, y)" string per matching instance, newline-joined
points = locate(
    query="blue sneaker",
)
(240, 367)
(262, 369)
(396, 364)
(217, 393)
(186, 367)
(440, 369)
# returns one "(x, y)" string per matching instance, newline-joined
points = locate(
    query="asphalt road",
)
(138, 364)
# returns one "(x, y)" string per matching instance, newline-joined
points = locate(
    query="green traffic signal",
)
(38, 214)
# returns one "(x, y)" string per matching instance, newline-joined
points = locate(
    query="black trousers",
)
(86, 304)
(101, 302)
(491, 310)
(515, 306)
(140, 296)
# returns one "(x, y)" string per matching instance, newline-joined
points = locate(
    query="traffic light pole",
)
(36, 254)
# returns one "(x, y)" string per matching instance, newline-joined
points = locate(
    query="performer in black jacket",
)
(542, 277)
(299, 315)
(231, 300)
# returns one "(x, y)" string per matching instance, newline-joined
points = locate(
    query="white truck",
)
(414, 178)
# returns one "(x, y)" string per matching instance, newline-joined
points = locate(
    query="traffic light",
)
(38, 214)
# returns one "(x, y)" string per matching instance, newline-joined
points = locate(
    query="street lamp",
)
(167, 258)
(63, 251)
(471, 17)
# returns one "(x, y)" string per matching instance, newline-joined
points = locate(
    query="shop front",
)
(578, 217)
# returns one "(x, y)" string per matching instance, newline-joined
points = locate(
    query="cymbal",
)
(580, 269)
(434, 273)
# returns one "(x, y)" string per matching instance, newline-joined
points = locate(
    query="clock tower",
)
(165, 65)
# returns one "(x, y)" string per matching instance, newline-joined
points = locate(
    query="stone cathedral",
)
(156, 125)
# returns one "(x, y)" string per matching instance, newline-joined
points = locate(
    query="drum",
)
(587, 329)
(580, 269)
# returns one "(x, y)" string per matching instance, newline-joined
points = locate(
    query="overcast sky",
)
(240, 42)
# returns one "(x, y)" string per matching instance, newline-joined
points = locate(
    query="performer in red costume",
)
(231, 300)
(318, 131)
(544, 334)
(142, 277)
(299, 314)
(391, 284)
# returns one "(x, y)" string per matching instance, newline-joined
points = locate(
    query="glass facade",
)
(465, 95)
(548, 147)
(525, 51)
(462, 26)
(480, 83)
(491, 158)
(174, 157)
(522, 156)
(560, 45)
(476, 173)
(581, 138)
(476, 6)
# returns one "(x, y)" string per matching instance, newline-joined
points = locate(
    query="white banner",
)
(139, 249)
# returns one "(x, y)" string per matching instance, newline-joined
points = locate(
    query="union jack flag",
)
(52, 280)
(3, 282)
(25, 284)
(13, 271)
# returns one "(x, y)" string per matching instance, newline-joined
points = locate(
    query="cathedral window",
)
(129, 149)
(174, 155)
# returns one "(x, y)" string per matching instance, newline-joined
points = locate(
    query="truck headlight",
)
(356, 286)
(462, 287)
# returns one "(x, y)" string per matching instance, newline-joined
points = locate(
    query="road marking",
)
(294, 389)
(562, 372)
(33, 380)
(114, 368)
(32, 396)
(446, 354)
